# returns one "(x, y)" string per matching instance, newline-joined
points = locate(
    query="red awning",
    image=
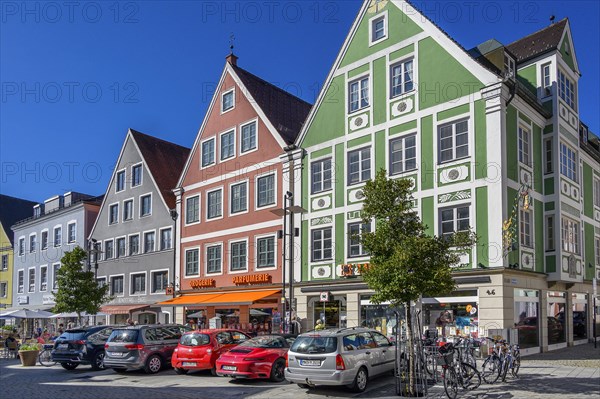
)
(121, 309)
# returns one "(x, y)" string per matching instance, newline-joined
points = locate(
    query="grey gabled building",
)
(135, 229)
(60, 224)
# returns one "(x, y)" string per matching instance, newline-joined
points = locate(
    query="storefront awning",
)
(121, 309)
(212, 299)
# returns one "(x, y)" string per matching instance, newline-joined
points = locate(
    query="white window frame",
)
(185, 269)
(110, 288)
(546, 72)
(21, 246)
(29, 282)
(570, 234)
(142, 203)
(4, 265)
(110, 208)
(402, 64)
(33, 244)
(597, 249)
(3, 289)
(220, 216)
(128, 244)
(223, 94)
(550, 233)
(323, 240)
(455, 219)
(256, 257)
(117, 253)
(21, 281)
(214, 157)
(403, 162)
(230, 256)
(55, 270)
(101, 281)
(596, 191)
(257, 192)
(132, 202)
(231, 131)
(231, 186)
(186, 222)
(509, 65)
(349, 239)
(144, 234)
(454, 157)
(131, 285)
(383, 16)
(242, 125)
(360, 168)
(526, 228)
(359, 81)
(56, 228)
(524, 144)
(42, 246)
(42, 288)
(548, 155)
(141, 165)
(160, 232)
(321, 173)
(206, 247)
(69, 224)
(113, 249)
(567, 89)
(568, 170)
(152, 273)
(124, 174)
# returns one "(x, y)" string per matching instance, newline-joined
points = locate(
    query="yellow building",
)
(11, 210)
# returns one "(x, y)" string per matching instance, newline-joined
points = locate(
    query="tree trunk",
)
(411, 352)
(78, 319)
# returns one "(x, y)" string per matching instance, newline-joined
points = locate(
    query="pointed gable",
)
(538, 43)
(286, 112)
(165, 161)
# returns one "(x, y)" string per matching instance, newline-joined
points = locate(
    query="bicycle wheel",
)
(469, 359)
(516, 365)
(45, 358)
(505, 367)
(490, 371)
(470, 377)
(450, 383)
(431, 364)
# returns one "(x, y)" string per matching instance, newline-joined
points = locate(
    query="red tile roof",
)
(539, 42)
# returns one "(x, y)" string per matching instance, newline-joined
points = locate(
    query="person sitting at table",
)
(11, 344)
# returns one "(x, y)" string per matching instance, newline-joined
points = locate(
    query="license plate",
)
(63, 346)
(304, 362)
(189, 364)
(115, 354)
(230, 368)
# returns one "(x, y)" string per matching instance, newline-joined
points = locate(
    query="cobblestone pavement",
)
(565, 374)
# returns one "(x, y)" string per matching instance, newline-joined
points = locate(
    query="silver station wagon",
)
(348, 356)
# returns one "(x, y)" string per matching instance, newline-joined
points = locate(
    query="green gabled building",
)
(491, 138)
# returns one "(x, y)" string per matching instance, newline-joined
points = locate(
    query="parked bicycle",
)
(511, 361)
(457, 373)
(492, 365)
(45, 356)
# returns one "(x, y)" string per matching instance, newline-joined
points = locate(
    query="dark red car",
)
(200, 349)
(260, 357)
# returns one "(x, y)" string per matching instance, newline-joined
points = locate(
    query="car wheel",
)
(213, 371)
(98, 361)
(360, 381)
(69, 366)
(180, 371)
(278, 371)
(153, 364)
(119, 369)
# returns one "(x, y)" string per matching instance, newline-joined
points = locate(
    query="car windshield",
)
(194, 339)
(123, 336)
(314, 344)
(72, 335)
(265, 341)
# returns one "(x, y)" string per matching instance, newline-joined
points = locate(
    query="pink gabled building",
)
(230, 198)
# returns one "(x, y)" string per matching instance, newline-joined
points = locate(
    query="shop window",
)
(527, 317)
(580, 316)
(557, 328)
(332, 313)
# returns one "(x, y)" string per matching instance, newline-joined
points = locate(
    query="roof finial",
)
(552, 18)
(231, 58)
(231, 40)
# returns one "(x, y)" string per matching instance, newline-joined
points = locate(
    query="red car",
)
(260, 357)
(200, 349)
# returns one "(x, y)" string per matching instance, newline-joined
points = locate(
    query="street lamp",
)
(174, 216)
(288, 210)
(93, 249)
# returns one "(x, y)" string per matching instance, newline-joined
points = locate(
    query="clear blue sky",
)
(75, 78)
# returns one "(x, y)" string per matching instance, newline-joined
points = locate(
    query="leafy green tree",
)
(78, 290)
(406, 263)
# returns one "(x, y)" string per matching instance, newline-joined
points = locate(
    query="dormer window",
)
(227, 100)
(509, 66)
(546, 80)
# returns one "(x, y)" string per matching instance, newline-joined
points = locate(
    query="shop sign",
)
(324, 296)
(354, 269)
(23, 299)
(202, 283)
(252, 279)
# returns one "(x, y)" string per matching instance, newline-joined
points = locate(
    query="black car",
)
(83, 345)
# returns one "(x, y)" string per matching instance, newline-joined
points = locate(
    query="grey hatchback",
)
(347, 356)
(148, 347)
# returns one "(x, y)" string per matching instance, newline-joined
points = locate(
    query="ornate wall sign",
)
(323, 220)
(455, 196)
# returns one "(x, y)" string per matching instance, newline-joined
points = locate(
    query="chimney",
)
(232, 59)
